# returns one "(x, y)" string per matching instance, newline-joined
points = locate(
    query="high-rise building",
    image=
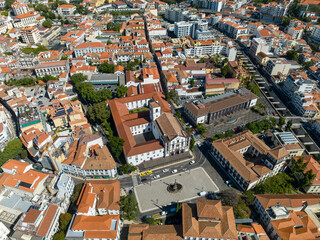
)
(258, 45)
(315, 35)
(30, 35)
(19, 8)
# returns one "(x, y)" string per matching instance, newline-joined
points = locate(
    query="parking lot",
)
(153, 195)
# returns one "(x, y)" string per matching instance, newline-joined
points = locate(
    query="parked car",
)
(156, 176)
(165, 170)
(174, 171)
(192, 162)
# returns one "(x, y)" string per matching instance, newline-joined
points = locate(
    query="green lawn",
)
(139, 110)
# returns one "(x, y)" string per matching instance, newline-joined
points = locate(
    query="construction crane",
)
(8, 31)
(48, 145)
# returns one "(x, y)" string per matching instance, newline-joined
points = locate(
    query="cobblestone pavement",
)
(153, 195)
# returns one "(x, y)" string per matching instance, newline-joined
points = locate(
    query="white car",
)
(165, 170)
(156, 176)
(174, 171)
(192, 162)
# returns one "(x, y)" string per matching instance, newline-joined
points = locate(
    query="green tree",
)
(255, 89)
(231, 198)
(107, 128)
(48, 78)
(64, 221)
(192, 142)
(129, 207)
(59, 236)
(127, 168)
(24, 154)
(5, 13)
(273, 122)
(151, 221)
(76, 193)
(289, 125)
(284, 185)
(249, 197)
(178, 113)
(298, 169)
(77, 78)
(121, 91)
(192, 83)
(116, 145)
(8, 3)
(47, 23)
(292, 55)
(281, 122)
(99, 112)
(13, 149)
(201, 129)
(106, 67)
(224, 70)
(64, 57)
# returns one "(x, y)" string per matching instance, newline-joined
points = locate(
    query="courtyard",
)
(153, 195)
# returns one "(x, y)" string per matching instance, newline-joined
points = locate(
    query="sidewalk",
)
(164, 162)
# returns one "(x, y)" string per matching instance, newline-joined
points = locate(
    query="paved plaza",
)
(151, 196)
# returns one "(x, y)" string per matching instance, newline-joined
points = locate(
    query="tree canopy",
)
(13, 149)
(64, 221)
(121, 91)
(129, 207)
(116, 145)
(106, 67)
(240, 204)
(284, 185)
(298, 169)
(86, 90)
(99, 112)
(127, 168)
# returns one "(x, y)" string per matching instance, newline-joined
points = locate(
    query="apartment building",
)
(182, 29)
(28, 19)
(98, 212)
(20, 178)
(7, 131)
(89, 157)
(214, 5)
(233, 29)
(264, 162)
(197, 221)
(41, 223)
(197, 29)
(4, 231)
(301, 90)
(274, 9)
(176, 15)
(213, 108)
(66, 113)
(258, 45)
(166, 135)
(34, 140)
(278, 65)
(161, 6)
(295, 33)
(19, 8)
(30, 35)
(315, 35)
(89, 47)
(274, 209)
(66, 10)
(52, 68)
